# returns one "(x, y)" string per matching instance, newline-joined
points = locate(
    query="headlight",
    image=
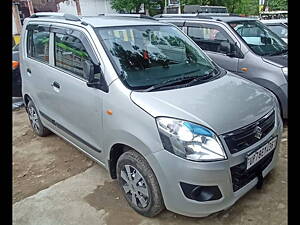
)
(189, 140)
(285, 71)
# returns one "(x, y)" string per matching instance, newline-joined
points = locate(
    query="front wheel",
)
(139, 184)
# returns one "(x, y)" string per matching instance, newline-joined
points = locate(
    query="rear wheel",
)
(139, 184)
(35, 121)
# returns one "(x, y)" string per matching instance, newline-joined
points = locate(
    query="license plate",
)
(258, 155)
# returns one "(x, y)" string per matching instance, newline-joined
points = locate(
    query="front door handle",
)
(28, 72)
(55, 86)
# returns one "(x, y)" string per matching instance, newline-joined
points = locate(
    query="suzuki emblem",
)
(258, 132)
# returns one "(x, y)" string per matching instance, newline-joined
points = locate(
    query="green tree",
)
(247, 7)
(128, 6)
(234, 6)
(277, 5)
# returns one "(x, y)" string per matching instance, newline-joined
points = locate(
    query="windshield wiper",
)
(206, 77)
(173, 81)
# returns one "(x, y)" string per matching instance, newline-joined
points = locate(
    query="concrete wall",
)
(68, 6)
(94, 7)
(14, 27)
(88, 7)
(16, 22)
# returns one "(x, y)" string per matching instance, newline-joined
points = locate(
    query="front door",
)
(79, 107)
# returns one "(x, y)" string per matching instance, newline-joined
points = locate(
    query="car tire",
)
(35, 121)
(142, 192)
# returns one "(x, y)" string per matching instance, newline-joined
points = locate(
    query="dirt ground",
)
(39, 163)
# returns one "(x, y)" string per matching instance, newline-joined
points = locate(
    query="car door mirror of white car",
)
(94, 76)
(88, 70)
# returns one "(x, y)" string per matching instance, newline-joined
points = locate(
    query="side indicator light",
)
(109, 112)
(15, 64)
(244, 69)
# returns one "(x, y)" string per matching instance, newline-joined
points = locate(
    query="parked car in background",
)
(16, 76)
(204, 9)
(142, 99)
(241, 45)
(278, 26)
(280, 14)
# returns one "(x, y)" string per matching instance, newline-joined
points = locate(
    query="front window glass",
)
(259, 38)
(149, 55)
(280, 30)
(209, 39)
(70, 54)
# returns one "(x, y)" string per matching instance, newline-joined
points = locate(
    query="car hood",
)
(278, 60)
(223, 105)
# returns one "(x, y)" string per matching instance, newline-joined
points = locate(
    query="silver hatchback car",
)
(241, 45)
(142, 99)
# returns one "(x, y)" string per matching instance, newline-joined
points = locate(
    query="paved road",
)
(88, 195)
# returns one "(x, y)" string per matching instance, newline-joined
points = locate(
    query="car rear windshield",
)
(259, 38)
(149, 55)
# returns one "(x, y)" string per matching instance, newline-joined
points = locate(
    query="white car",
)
(278, 26)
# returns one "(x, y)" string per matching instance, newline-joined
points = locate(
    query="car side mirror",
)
(88, 70)
(266, 40)
(225, 47)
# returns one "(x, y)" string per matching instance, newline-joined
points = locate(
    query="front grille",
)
(240, 177)
(244, 137)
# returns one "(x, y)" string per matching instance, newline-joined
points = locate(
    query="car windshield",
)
(279, 29)
(151, 55)
(259, 38)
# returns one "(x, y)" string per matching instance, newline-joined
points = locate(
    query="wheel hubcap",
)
(33, 117)
(135, 186)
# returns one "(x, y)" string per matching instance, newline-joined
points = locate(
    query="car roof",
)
(227, 19)
(207, 17)
(112, 20)
(274, 21)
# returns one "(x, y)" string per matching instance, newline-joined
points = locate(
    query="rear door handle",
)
(56, 85)
(28, 72)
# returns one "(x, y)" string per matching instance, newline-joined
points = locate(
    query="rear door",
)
(209, 38)
(36, 66)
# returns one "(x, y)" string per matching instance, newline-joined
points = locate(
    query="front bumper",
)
(170, 170)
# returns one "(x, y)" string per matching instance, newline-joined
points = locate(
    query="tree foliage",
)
(127, 6)
(247, 7)
(277, 5)
(233, 6)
